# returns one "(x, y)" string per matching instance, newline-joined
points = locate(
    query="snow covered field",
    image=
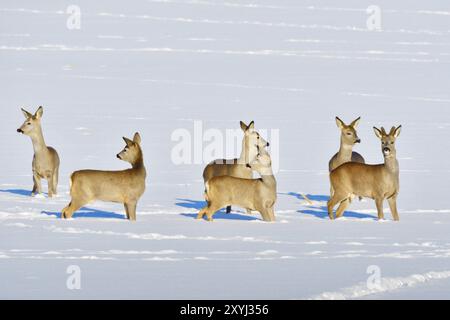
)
(157, 66)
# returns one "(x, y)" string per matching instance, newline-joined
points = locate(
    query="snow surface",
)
(156, 66)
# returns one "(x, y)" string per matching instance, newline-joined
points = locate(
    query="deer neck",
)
(267, 176)
(345, 152)
(391, 164)
(37, 138)
(247, 153)
(138, 165)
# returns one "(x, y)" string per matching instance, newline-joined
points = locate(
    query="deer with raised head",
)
(238, 167)
(45, 160)
(125, 186)
(254, 194)
(378, 182)
(349, 137)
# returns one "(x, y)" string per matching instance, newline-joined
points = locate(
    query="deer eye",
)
(349, 133)
(29, 124)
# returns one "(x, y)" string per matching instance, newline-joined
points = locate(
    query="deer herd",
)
(227, 182)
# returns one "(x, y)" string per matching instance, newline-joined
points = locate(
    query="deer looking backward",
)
(125, 186)
(255, 194)
(45, 160)
(378, 182)
(238, 167)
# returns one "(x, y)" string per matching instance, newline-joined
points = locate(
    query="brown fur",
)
(349, 137)
(45, 160)
(378, 182)
(254, 194)
(238, 167)
(125, 186)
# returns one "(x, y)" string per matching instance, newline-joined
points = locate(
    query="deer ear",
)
(355, 123)
(39, 113)
(243, 126)
(26, 114)
(251, 126)
(340, 123)
(128, 141)
(137, 138)
(378, 132)
(397, 131)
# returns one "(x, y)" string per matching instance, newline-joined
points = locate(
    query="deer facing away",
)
(255, 194)
(125, 186)
(378, 182)
(238, 167)
(45, 160)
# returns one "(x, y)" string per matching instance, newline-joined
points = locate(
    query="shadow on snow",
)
(89, 213)
(322, 211)
(220, 215)
(19, 192)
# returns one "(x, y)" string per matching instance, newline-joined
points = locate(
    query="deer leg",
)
(73, 206)
(342, 207)
(127, 212)
(55, 181)
(379, 203)
(271, 214)
(202, 213)
(393, 205)
(331, 203)
(335, 199)
(210, 211)
(37, 188)
(51, 190)
(267, 211)
(228, 209)
(264, 214)
(130, 208)
(33, 192)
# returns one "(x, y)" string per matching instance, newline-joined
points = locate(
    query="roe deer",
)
(349, 137)
(377, 182)
(45, 160)
(125, 186)
(255, 194)
(238, 167)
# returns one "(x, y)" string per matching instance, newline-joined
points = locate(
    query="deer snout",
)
(268, 144)
(118, 156)
(19, 130)
(386, 150)
(358, 140)
(248, 166)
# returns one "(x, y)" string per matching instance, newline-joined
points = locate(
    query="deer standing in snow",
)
(125, 186)
(378, 182)
(45, 160)
(254, 194)
(238, 167)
